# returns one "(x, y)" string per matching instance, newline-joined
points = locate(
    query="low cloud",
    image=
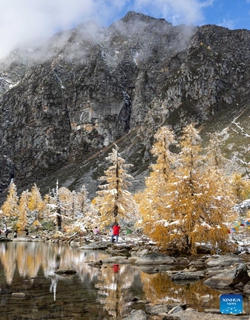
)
(176, 11)
(227, 23)
(26, 20)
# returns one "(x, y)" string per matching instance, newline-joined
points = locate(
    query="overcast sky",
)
(23, 20)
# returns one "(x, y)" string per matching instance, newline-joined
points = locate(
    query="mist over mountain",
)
(66, 101)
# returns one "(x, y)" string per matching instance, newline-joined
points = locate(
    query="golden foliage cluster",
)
(187, 200)
(31, 210)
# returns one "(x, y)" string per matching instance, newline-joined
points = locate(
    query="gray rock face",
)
(63, 103)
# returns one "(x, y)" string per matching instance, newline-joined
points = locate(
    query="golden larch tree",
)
(114, 200)
(241, 187)
(23, 210)
(10, 207)
(36, 204)
(195, 199)
(153, 200)
(66, 200)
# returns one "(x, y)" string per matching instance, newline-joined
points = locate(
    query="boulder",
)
(155, 258)
(139, 253)
(159, 309)
(175, 309)
(136, 315)
(229, 277)
(95, 246)
(222, 261)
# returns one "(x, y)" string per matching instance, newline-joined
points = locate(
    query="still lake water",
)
(29, 288)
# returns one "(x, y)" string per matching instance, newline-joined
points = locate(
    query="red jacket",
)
(116, 230)
(116, 268)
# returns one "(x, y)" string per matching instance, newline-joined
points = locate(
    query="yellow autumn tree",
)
(35, 203)
(114, 200)
(153, 200)
(49, 216)
(241, 187)
(23, 211)
(186, 201)
(10, 206)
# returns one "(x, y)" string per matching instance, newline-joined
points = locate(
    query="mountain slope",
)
(63, 103)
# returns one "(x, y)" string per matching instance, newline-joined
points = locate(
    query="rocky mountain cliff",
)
(65, 102)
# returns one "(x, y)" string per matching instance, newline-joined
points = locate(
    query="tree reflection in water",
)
(159, 288)
(105, 291)
(54, 281)
(115, 285)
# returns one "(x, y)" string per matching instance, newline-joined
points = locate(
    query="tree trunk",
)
(59, 219)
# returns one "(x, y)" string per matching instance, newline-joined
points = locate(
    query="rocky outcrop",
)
(222, 261)
(136, 315)
(63, 104)
(155, 258)
(229, 277)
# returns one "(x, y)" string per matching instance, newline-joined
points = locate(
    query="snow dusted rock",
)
(155, 258)
(136, 315)
(227, 260)
(159, 309)
(139, 253)
(243, 206)
(175, 310)
(229, 277)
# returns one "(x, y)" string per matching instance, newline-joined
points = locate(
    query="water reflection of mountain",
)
(109, 290)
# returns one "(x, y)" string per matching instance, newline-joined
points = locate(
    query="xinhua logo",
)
(231, 303)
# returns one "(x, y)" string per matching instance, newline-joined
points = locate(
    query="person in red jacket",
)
(116, 231)
(116, 268)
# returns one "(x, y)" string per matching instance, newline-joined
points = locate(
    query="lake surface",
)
(29, 288)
